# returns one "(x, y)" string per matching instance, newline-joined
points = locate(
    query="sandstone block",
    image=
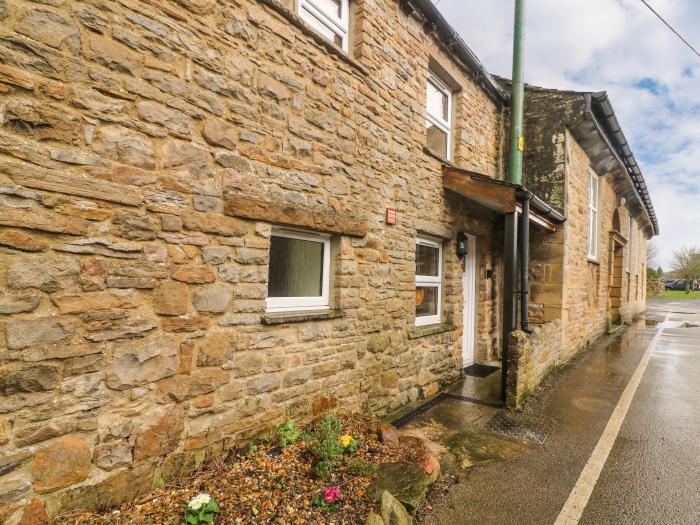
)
(42, 220)
(170, 223)
(214, 223)
(263, 383)
(144, 361)
(41, 331)
(18, 303)
(176, 388)
(194, 274)
(214, 298)
(22, 241)
(215, 254)
(63, 463)
(297, 376)
(37, 378)
(215, 350)
(112, 54)
(206, 380)
(160, 433)
(184, 155)
(218, 133)
(89, 301)
(50, 28)
(124, 145)
(35, 514)
(113, 454)
(185, 324)
(133, 227)
(172, 119)
(13, 488)
(171, 298)
(245, 364)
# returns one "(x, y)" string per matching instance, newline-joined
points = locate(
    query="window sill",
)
(432, 329)
(442, 159)
(593, 261)
(273, 318)
(297, 21)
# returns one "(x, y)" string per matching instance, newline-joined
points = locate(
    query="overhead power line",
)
(690, 46)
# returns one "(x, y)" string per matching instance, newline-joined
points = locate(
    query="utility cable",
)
(690, 46)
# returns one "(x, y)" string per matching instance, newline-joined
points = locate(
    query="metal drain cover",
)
(526, 427)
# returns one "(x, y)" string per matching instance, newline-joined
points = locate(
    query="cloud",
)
(620, 47)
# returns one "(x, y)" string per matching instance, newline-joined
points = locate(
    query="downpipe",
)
(524, 261)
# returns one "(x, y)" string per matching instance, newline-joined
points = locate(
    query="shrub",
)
(282, 435)
(359, 467)
(324, 444)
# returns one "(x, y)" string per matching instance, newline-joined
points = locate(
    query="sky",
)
(617, 46)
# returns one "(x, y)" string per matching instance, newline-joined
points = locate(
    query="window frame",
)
(302, 304)
(593, 216)
(313, 13)
(438, 121)
(430, 281)
(630, 251)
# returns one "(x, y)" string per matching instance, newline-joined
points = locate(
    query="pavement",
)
(652, 472)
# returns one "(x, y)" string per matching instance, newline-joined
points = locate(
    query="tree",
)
(652, 254)
(659, 272)
(686, 264)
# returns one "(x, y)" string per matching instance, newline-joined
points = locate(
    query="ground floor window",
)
(299, 271)
(428, 281)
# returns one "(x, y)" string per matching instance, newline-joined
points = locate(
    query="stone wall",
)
(531, 358)
(146, 151)
(587, 283)
(655, 288)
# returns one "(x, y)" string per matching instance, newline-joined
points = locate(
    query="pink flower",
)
(331, 494)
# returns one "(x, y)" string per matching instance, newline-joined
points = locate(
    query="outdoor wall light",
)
(461, 245)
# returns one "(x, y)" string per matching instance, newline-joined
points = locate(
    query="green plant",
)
(360, 467)
(348, 443)
(201, 509)
(282, 435)
(324, 444)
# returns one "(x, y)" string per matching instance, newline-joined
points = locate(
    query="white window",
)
(439, 118)
(331, 18)
(630, 249)
(299, 271)
(428, 281)
(593, 217)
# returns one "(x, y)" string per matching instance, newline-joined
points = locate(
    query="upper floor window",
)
(630, 245)
(428, 281)
(439, 117)
(593, 216)
(299, 271)
(331, 18)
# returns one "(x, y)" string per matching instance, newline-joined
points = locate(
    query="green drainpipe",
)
(515, 164)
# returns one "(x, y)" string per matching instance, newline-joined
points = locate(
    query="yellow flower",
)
(345, 440)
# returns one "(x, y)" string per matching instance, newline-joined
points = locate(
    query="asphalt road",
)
(652, 475)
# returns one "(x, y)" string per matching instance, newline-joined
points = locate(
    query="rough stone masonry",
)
(146, 151)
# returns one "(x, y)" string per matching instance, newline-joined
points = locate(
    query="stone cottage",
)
(590, 277)
(217, 215)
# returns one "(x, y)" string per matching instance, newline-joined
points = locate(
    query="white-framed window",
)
(299, 271)
(428, 281)
(630, 249)
(331, 18)
(439, 117)
(593, 227)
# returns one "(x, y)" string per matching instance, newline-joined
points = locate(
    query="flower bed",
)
(268, 483)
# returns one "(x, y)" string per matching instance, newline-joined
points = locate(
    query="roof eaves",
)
(459, 48)
(614, 132)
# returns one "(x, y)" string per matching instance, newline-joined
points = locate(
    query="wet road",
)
(652, 473)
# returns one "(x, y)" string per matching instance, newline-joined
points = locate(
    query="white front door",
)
(469, 313)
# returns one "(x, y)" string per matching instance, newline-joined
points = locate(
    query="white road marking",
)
(578, 499)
